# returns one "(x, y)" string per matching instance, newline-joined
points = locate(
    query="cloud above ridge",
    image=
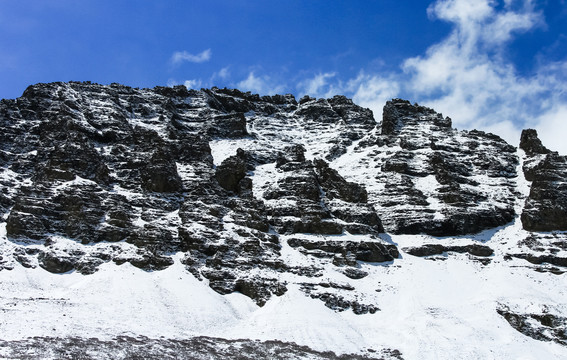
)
(467, 76)
(179, 57)
(260, 84)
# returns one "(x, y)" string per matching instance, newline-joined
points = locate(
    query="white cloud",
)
(552, 128)
(316, 86)
(223, 73)
(262, 85)
(461, 12)
(372, 91)
(467, 77)
(182, 56)
(189, 84)
(193, 84)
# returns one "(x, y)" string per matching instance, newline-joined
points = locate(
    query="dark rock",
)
(438, 249)
(397, 112)
(546, 206)
(364, 250)
(322, 197)
(426, 250)
(54, 263)
(542, 259)
(230, 173)
(335, 185)
(339, 303)
(426, 175)
(354, 273)
(531, 144)
(543, 327)
(161, 177)
(26, 225)
(257, 290)
(152, 262)
(306, 98)
(292, 153)
(200, 347)
(22, 256)
(478, 250)
(228, 126)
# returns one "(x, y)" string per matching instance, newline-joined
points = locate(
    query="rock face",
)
(234, 185)
(546, 206)
(437, 249)
(311, 197)
(347, 252)
(540, 326)
(531, 144)
(430, 178)
(131, 174)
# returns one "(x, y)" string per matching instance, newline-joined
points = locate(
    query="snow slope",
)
(443, 309)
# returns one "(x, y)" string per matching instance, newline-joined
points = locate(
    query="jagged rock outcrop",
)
(111, 164)
(438, 249)
(545, 251)
(338, 297)
(347, 252)
(310, 197)
(131, 173)
(531, 144)
(543, 326)
(430, 178)
(546, 206)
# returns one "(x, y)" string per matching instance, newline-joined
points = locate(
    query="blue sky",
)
(495, 65)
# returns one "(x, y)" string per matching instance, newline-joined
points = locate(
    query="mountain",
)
(176, 223)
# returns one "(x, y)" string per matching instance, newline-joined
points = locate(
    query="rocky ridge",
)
(95, 173)
(426, 177)
(261, 193)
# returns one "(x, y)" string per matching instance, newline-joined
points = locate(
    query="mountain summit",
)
(186, 219)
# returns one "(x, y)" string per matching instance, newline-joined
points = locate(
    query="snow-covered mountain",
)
(175, 223)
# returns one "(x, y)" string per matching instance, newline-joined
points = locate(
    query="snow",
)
(263, 177)
(115, 300)
(155, 124)
(428, 309)
(224, 148)
(78, 181)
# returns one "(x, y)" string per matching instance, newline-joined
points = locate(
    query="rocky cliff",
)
(254, 194)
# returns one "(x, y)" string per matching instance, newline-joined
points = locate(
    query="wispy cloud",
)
(189, 84)
(193, 83)
(317, 85)
(222, 76)
(368, 90)
(223, 73)
(183, 56)
(372, 91)
(467, 77)
(263, 85)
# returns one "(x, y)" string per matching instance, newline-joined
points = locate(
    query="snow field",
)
(429, 309)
